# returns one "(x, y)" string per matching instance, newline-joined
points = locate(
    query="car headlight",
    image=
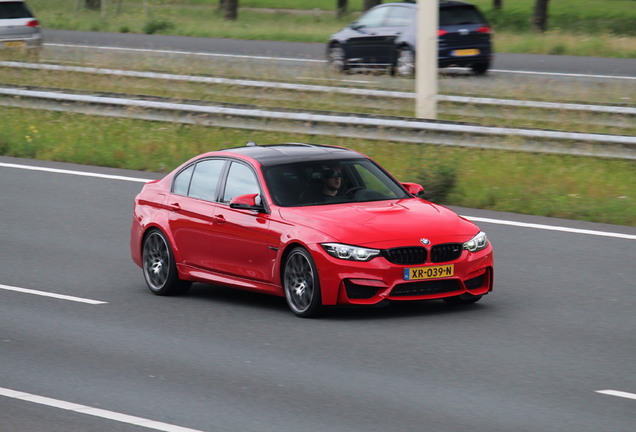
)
(477, 243)
(350, 253)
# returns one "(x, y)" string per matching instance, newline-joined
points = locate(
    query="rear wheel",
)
(301, 284)
(160, 269)
(405, 62)
(480, 68)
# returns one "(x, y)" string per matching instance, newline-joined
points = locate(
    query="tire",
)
(301, 284)
(463, 299)
(480, 68)
(159, 267)
(337, 59)
(405, 62)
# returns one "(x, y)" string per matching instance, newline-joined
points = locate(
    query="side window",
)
(205, 179)
(241, 180)
(399, 17)
(181, 182)
(373, 18)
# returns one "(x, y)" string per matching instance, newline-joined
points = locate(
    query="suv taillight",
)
(484, 29)
(441, 32)
(33, 23)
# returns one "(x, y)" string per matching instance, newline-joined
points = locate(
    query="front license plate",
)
(14, 44)
(465, 52)
(432, 272)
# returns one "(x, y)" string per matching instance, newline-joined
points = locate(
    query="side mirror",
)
(246, 202)
(413, 188)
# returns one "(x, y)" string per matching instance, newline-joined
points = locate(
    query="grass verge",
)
(599, 190)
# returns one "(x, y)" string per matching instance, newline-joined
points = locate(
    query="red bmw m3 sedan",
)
(318, 225)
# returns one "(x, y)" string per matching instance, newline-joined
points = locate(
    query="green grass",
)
(600, 190)
(588, 27)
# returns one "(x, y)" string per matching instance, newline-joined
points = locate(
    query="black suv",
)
(385, 37)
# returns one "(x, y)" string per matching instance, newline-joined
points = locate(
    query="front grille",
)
(446, 252)
(360, 292)
(425, 288)
(406, 255)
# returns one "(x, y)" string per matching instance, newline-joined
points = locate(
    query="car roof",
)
(276, 154)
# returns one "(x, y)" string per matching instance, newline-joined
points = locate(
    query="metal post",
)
(426, 59)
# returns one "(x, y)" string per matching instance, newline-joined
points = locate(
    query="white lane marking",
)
(96, 412)
(563, 74)
(239, 56)
(552, 228)
(617, 394)
(79, 173)
(473, 218)
(49, 294)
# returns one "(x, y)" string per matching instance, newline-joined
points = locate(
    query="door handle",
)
(218, 219)
(174, 206)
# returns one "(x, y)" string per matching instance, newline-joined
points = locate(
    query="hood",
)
(384, 224)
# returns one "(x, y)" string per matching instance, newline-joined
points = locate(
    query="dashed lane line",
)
(53, 295)
(95, 412)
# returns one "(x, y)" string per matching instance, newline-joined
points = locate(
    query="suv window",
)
(11, 10)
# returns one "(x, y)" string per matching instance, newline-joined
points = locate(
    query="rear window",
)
(9, 10)
(460, 15)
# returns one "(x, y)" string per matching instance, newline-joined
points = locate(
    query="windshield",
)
(330, 182)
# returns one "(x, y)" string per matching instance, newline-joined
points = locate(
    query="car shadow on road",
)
(232, 297)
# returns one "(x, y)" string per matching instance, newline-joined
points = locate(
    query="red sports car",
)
(316, 224)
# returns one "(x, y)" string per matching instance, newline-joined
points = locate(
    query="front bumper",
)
(367, 283)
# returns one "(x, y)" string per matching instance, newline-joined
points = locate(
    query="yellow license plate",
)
(14, 44)
(465, 52)
(431, 272)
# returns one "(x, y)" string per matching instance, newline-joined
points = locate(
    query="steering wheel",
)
(351, 191)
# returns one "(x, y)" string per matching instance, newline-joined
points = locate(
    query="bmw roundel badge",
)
(425, 241)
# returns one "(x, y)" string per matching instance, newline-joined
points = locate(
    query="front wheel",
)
(301, 284)
(337, 58)
(160, 269)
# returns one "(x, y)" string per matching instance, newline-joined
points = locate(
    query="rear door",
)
(192, 207)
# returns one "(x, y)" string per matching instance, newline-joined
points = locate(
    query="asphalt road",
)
(531, 356)
(315, 51)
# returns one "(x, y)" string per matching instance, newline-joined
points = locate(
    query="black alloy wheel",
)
(301, 284)
(159, 267)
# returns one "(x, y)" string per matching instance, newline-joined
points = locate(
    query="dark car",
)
(385, 36)
(318, 225)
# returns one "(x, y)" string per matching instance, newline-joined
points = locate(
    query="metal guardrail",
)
(626, 111)
(324, 123)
